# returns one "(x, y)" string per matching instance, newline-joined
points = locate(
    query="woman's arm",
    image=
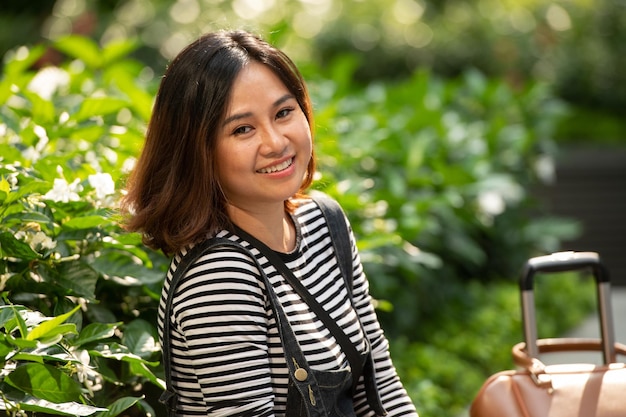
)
(393, 395)
(220, 338)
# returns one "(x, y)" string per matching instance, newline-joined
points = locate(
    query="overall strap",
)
(304, 381)
(339, 235)
(341, 242)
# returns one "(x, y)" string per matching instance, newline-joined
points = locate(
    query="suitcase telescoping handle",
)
(562, 262)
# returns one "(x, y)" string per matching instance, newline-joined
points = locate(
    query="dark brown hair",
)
(173, 195)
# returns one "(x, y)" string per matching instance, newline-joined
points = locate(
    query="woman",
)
(229, 155)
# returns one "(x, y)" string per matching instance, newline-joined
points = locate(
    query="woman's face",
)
(264, 143)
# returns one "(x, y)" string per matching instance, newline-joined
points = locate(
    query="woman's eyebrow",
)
(239, 116)
(284, 98)
(234, 117)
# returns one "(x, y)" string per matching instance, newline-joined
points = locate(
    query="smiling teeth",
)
(276, 168)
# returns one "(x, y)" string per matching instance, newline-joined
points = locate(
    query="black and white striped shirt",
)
(226, 353)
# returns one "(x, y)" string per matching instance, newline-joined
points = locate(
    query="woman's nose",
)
(273, 141)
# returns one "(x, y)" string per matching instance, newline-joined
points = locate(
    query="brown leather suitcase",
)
(562, 390)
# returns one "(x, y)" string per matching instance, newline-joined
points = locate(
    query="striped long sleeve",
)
(226, 353)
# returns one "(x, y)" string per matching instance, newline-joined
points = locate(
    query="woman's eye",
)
(242, 130)
(284, 112)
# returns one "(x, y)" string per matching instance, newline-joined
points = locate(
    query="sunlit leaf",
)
(42, 110)
(5, 187)
(85, 222)
(38, 405)
(82, 48)
(49, 327)
(100, 106)
(118, 352)
(45, 382)
(94, 332)
(118, 49)
(15, 66)
(119, 406)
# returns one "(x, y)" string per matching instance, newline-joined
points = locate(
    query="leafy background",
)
(434, 123)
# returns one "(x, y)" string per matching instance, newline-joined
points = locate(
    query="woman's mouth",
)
(276, 168)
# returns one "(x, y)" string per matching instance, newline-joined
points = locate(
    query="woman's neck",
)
(271, 225)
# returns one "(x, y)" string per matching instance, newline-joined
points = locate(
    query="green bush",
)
(434, 175)
(79, 295)
(444, 372)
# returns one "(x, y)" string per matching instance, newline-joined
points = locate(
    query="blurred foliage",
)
(576, 45)
(436, 176)
(486, 322)
(79, 295)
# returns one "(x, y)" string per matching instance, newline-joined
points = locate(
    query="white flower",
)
(87, 374)
(545, 169)
(491, 203)
(48, 81)
(103, 184)
(41, 240)
(3, 280)
(64, 192)
(129, 165)
(37, 239)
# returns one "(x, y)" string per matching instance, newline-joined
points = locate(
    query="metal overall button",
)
(301, 374)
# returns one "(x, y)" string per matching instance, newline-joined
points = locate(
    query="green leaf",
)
(139, 337)
(5, 186)
(38, 405)
(15, 67)
(140, 99)
(45, 382)
(28, 357)
(50, 327)
(99, 106)
(19, 320)
(85, 222)
(42, 110)
(94, 332)
(118, 352)
(10, 153)
(33, 187)
(82, 48)
(22, 343)
(62, 359)
(10, 247)
(116, 50)
(29, 216)
(78, 278)
(119, 406)
(141, 369)
(5, 347)
(121, 266)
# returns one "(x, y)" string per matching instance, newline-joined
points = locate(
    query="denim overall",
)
(316, 393)
(311, 393)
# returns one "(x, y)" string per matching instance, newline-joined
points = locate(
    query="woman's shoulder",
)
(223, 247)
